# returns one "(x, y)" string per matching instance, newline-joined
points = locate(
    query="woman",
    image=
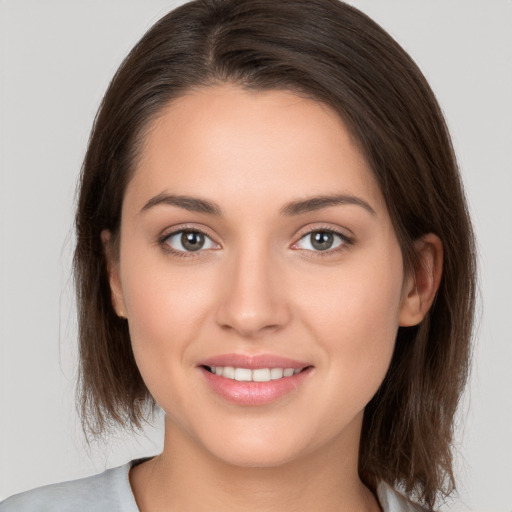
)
(273, 246)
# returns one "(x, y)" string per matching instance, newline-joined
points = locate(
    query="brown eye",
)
(192, 241)
(321, 240)
(189, 241)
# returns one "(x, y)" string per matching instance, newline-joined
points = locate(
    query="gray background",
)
(57, 57)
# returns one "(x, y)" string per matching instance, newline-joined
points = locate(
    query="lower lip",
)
(254, 393)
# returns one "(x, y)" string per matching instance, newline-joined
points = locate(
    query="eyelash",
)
(162, 241)
(346, 242)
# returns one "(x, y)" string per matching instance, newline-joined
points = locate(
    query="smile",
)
(254, 380)
(256, 375)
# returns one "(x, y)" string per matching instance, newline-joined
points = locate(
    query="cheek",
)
(164, 306)
(166, 309)
(354, 315)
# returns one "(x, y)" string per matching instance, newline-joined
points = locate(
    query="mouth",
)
(254, 380)
(253, 375)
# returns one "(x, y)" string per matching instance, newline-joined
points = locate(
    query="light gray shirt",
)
(110, 491)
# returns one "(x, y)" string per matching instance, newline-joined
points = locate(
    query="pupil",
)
(192, 241)
(322, 240)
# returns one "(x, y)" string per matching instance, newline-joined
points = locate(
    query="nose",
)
(253, 299)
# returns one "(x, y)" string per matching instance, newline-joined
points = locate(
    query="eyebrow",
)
(195, 204)
(319, 202)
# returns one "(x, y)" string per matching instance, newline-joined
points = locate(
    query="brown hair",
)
(331, 52)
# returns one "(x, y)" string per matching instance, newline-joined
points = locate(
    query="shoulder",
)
(109, 491)
(392, 501)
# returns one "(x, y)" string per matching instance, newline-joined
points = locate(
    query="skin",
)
(259, 287)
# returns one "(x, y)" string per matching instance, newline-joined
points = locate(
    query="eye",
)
(321, 240)
(189, 241)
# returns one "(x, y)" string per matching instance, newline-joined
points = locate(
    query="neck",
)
(186, 477)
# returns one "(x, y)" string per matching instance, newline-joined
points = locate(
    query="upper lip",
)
(253, 362)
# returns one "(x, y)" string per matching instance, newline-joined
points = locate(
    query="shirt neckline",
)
(387, 497)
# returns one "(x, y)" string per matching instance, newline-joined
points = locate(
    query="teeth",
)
(258, 375)
(243, 374)
(261, 375)
(276, 373)
(228, 372)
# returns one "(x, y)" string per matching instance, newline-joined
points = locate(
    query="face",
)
(260, 275)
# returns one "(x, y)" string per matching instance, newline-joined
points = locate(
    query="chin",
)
(250, 458)
(255, 451)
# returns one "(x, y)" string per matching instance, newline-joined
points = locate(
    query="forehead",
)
(236, 143)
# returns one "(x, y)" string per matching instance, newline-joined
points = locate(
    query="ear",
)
(421, 286)
(113, 274)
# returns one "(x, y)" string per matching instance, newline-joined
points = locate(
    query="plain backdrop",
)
(57, 57)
